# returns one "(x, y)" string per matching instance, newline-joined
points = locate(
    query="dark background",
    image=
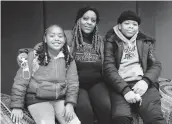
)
(23, 23)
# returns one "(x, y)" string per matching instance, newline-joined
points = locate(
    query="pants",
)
(94, 102)
(45, 113)
(150, 110)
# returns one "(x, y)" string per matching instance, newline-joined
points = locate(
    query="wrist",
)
(69, 104)
(126, 90)
(146, 80)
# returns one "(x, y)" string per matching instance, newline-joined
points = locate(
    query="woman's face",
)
(129, 28)
(88, 22)
(55, 38)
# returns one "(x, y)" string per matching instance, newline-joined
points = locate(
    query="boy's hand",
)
(140, 87)
(131, 97)
(17, 115)
(69, 112)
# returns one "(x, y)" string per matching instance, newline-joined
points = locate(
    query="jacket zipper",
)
(55, 64)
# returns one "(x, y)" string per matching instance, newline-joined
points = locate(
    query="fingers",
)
(20, 117)
(138, 98)
(69, 116)
(16, 117)
(138, 91)
(13, 117)
(133, 100)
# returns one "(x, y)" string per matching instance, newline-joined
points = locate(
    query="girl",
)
(51, 87)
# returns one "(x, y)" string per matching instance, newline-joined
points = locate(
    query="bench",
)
(166, 105)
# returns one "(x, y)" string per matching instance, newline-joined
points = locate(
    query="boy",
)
(132, 70)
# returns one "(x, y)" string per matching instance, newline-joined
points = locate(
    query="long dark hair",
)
(43, 55)
(77, 33)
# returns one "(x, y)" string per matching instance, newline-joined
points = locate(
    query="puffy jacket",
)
(54, 72)
(112, 57)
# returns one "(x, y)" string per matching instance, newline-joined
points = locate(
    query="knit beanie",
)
(129, 15)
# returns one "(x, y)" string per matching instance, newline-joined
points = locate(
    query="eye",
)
(93, 20)
(85, 18)
(51, 35)
(60, 36)
(135, 24)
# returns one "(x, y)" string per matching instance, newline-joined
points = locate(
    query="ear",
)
(119, 26)
(44, 39)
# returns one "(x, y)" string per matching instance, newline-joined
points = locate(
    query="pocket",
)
(46, 91)
(51, 91)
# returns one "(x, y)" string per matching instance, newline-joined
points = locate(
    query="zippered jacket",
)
(113, 52)
(24, 90)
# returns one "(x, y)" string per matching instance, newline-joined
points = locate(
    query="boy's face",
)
(129, 28)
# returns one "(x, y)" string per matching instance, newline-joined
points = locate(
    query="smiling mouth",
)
(89, 28)
(56, 44)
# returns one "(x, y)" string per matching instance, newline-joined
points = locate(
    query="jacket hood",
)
(112, 37)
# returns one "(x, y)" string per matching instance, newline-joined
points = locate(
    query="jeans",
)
(94, 103)
(46, 112)
(150, 109)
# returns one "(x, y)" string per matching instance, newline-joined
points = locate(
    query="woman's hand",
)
(16, 115)
(69, 112)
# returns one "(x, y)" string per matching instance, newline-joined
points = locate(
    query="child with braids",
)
(86, 46)
(51, 87)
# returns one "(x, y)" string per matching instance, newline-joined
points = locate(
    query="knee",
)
(121, 117)
(152, 117)
(84, 109)
(59, 115)
(151, 114)
(103, 108)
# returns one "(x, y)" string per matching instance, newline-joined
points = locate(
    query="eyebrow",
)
(54, 33)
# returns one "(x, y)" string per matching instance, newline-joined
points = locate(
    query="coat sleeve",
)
(154, 66)
(19, 87)
(72, 84)
(111, 74)
(69, 37)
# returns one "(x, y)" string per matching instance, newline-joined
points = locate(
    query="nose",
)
(89, 21)
(56, 38)
(131, 26)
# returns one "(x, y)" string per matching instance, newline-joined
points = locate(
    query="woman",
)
(47, 82)
(87, 49)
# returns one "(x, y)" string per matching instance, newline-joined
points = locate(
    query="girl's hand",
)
(69, 112)
(16, 115)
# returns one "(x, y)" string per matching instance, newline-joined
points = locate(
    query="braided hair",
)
(77, 31)
(43, 55)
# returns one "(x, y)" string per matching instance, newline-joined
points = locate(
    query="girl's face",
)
(55, 38)
(88, 22)
(129, 28)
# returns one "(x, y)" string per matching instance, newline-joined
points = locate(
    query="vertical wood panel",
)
(22, 26)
